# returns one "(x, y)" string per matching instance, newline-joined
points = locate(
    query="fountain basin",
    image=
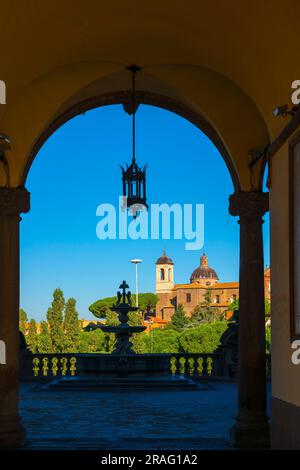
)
(123, 329)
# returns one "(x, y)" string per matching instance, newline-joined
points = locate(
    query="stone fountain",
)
(122, 369)
(123, 331)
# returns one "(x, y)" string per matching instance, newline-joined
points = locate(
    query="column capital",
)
(248, 204)
(13, 201)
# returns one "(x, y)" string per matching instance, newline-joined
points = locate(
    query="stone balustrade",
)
(48, 365)
(194, 365)
(197, 365)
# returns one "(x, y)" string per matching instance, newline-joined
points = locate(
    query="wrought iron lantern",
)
(133, 176)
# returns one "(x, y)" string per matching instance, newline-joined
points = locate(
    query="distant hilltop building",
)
(192, 294)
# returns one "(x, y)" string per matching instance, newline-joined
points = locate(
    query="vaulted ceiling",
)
(230, 61)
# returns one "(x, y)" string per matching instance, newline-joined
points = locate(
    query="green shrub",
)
(204, 338)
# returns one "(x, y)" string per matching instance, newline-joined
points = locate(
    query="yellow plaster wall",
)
(285, 375)
(225, 106)
(230, 61)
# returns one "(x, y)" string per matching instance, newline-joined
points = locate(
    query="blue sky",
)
(77, 169)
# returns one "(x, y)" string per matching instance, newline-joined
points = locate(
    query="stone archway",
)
(251, 429)
(142, 97)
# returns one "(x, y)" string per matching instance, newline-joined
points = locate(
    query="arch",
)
(142, 97)
(211, 101)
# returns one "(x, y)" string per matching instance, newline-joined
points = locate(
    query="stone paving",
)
(128, 419)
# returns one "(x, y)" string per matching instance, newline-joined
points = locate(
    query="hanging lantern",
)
(133, 176)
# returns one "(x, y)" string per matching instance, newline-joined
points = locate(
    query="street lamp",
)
(136, 261)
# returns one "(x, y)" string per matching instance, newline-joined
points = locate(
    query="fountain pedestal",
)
(123, 331)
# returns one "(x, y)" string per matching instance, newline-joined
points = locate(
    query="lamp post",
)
(136, 261)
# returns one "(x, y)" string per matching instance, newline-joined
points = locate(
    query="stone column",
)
(12, 203)
(251, 428)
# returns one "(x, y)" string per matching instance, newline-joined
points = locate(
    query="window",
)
(234, 297)
(188, 298)
(162, 274)
(217, 299)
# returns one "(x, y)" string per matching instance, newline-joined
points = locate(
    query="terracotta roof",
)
(226, 285)
(218, 285)
(156, 321)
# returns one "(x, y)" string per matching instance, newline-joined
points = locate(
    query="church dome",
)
(204, 274)
(164, 259)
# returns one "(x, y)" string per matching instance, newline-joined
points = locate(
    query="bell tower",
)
(164, 274)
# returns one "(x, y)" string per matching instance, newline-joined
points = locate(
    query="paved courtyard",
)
(128, 419)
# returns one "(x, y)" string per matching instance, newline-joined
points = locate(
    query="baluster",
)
(73, 361)
(172, 368)
(54, 366)
(36, 366)
(45, 366)
(209, 362)
(64, 365)
(200, 366)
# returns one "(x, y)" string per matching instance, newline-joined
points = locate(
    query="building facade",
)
(192, 294)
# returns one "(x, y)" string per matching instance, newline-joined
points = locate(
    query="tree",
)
(102, 307)
(44, 340)
(71, 327)
(23, 320)
(110, 338)
(267, 308)
(135, 319)
(139, 343)
(55, 319)
(147, 301)
(205, 312)
(235, 306)
(32, 337)
(92, 342)
(204, 338)
(179, 319)
(162, 341)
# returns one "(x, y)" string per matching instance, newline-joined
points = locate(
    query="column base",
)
(250, 435)
(12, 432)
